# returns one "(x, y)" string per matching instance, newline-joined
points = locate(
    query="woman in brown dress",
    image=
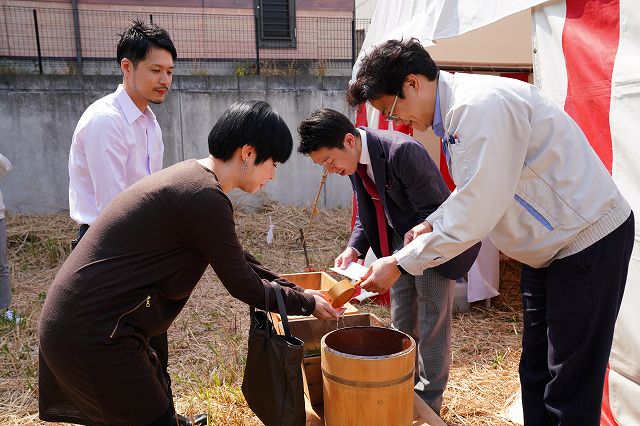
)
(132, 273)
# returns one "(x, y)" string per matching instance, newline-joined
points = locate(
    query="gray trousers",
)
(5, 287)
(421, 307)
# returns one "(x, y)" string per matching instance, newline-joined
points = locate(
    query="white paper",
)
(354, 270)
(364, 294)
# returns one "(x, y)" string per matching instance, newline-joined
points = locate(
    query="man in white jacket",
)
(527, 177)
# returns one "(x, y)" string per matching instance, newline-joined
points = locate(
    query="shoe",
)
(198, 420)
(10, 316)
(182, 420)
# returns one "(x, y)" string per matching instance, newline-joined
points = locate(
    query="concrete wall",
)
(38, 115)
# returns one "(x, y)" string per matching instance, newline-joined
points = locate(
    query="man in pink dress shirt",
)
(118, 140)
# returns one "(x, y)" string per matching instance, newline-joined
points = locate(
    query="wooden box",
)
(315, 281)
(310, 331)
(311, 280)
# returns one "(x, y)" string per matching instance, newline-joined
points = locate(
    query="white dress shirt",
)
(114, 145)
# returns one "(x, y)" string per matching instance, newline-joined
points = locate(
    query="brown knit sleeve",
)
(208, 225)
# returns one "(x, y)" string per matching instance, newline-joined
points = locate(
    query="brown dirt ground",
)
(207, 340)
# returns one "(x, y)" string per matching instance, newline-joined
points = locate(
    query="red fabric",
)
(590, 43)
(444, 170)
(361, 115)
(606, 417)
(370, 186)
(522, 76)
(383, 124)
(404, 128)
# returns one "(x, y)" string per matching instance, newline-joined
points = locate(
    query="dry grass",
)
(207, 340)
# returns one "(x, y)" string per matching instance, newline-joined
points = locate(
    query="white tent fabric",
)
(576, 41)
(431, 20)
(624, 376)
(484, 275)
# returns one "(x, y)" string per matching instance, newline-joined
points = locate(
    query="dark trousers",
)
(570, 309)
(167, 419)
(159, 344)
(81, 231)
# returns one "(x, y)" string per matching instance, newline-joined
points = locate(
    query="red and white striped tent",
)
(587, 57)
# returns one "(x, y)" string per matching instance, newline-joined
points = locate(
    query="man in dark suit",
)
(397, 185)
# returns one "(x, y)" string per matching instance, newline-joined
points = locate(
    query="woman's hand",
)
(323, 309)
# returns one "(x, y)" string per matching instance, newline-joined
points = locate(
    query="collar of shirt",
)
(129, 108)
(438, 126)
(364, 153)
(365, 158)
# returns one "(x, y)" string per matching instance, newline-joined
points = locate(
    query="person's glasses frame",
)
(390, 116)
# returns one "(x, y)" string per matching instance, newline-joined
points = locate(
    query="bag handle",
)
(252, 310)
(281, 309)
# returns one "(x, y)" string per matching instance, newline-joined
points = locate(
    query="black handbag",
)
(458, 266)
(272, 382)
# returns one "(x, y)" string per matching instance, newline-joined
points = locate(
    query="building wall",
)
(38, 115)
(201, 30)
(330, 5)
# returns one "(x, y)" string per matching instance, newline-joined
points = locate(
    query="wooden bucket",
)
(367, 376)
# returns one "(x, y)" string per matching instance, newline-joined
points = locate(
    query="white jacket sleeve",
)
(5, 165)
(486, 163)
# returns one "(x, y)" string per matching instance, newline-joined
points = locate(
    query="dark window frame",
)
(266, 28)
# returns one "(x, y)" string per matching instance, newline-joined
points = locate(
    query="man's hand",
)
(419, 229)
(347, 256)
(323, 309)
(381, 275)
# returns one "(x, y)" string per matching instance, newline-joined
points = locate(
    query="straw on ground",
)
(208, 339)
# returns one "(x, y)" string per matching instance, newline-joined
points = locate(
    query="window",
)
(276, 23)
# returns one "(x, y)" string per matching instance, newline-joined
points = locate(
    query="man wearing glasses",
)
(527, 177)
(397, 186)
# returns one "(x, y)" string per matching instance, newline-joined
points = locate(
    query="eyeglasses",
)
(390, 116)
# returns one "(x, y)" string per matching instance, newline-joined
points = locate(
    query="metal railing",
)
(53, 40)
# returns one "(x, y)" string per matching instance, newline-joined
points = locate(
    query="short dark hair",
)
(137, 40)
(382, 72)
(252, 123)
(325, 128)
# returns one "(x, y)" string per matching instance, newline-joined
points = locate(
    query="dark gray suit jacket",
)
(410, 188)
